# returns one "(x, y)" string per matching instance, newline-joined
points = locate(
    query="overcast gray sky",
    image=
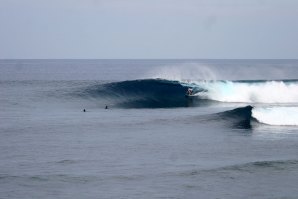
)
(148, 29)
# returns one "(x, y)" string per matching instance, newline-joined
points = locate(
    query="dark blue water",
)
(232, 139)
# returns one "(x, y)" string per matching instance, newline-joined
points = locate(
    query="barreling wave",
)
(159, 93)
(148, 93)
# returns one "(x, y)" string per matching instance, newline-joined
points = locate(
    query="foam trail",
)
(283, 116)
(250, 92)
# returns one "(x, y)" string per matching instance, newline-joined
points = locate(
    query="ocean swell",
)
(159, 93)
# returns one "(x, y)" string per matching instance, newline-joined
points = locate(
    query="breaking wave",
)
(244, 116)
(282, 116)
(167, 93)
(268, 102)
(148, 93)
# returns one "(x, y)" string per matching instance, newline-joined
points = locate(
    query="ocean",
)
(235, 137)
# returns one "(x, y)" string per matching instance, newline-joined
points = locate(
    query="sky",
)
(148, 29)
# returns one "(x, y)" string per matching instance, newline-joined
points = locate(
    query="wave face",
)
(148, 93)
(250, 91)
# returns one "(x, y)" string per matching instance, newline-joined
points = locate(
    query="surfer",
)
(189, 91)
(106, 107)
(84, 110)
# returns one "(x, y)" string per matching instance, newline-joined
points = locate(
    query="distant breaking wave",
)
(282, 116)
(269, 102)
(244, 116)
(237, 118)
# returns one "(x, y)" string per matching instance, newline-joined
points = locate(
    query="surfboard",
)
(192, 95)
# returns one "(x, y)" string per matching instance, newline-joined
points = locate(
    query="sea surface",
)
(235, 137)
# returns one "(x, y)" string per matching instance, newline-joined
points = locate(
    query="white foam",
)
(261, 92)
(276, 115)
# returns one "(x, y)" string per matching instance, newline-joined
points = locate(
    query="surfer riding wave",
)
(189, 92)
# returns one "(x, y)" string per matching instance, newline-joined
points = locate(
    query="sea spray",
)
(184, 72)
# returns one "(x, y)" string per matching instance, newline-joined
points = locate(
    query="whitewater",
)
(236, 137)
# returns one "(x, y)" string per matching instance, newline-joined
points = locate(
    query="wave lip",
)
(281, 116)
